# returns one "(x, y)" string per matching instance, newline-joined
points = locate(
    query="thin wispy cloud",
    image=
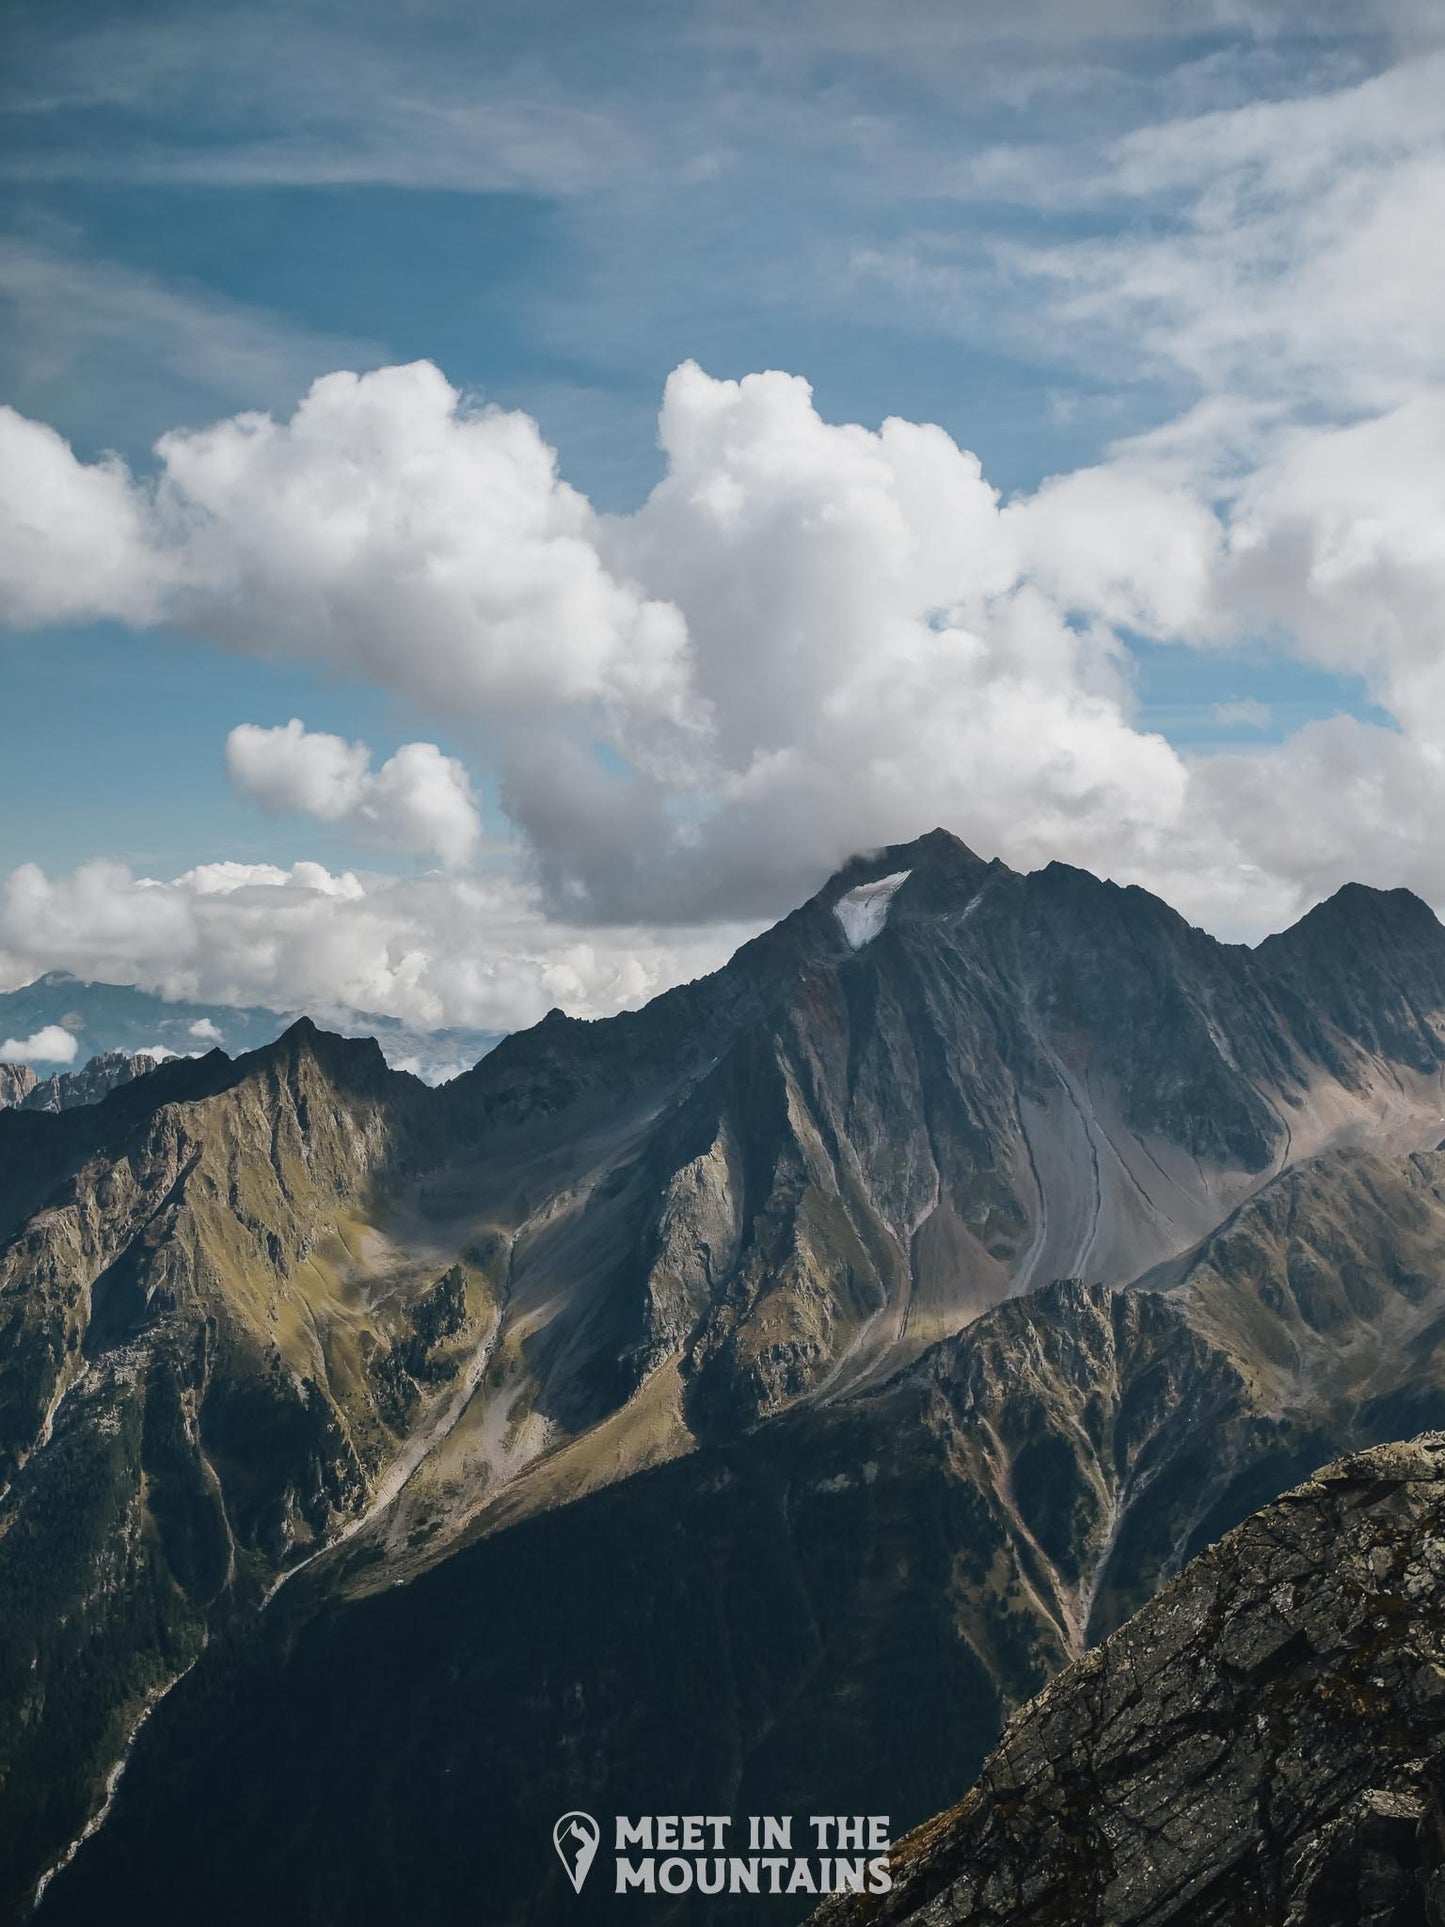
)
(268, 96)
(1243, 712)
(76, 322)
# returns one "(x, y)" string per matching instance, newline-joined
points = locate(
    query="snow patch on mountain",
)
(864, 911)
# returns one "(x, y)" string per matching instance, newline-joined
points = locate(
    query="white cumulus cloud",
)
(75, 537)
(388, 528)
(418, 800)
(812, 637)
(52, 1044)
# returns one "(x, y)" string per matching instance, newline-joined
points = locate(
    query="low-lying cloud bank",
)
(433, 950)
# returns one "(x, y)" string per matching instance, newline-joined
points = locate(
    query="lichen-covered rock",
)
(1262, 1743)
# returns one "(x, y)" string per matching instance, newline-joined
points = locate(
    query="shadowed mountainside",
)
(834, 1612)
(723, 1255)
(1265, 1742)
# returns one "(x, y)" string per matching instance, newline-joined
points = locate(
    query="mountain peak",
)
(1389, 926)
(1381, 916)
(940, 845)
(1372, 961)
(347, 1060)
(940, 856)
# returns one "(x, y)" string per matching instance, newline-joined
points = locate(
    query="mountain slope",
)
(1264, 1743)
(835, 1612)
(205, 1371)
(726, 1245)
(794, 1175)
(16, 1083)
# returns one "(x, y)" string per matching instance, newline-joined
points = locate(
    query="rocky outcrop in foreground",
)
(1262, 1743)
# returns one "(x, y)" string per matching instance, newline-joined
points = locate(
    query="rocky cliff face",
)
(16, 1083)
(65, 1090)
(1263, 1743)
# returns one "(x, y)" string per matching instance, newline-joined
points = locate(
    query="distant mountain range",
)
(105, 1018)
(739, 1405)
(66, 1090)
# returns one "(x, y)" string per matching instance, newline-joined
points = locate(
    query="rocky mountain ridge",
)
(66, 1090)
(193, 1393)
(297, 1318)
(826, 1157)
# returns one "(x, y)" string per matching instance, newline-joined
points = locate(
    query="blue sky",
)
(1152, 251)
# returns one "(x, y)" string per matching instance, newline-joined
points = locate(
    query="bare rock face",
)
(1263, 1743)
(22, 1090)
(17, 1081)
(67, 1090)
